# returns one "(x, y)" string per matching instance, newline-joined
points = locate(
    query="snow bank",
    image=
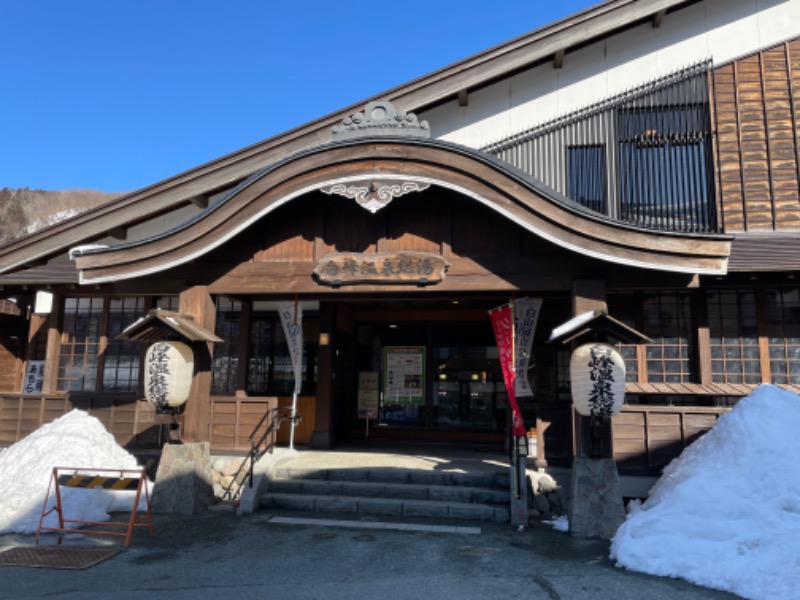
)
(726, 513)
(74, 440)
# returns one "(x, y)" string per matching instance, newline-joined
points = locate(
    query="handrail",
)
(274, 418)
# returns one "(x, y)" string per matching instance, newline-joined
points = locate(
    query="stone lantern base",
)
(596, 508)
(183, 481)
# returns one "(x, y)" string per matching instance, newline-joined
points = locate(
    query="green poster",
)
(404, 375)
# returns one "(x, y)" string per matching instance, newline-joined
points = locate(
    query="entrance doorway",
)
(432, 375)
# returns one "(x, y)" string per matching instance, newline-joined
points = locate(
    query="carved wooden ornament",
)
(348, 268)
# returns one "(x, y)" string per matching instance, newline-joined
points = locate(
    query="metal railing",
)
(262, 441)
(643, 157)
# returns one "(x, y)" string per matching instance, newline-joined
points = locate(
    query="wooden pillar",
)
(323, 436)
(588, 294)
(53, 345)
(197, 302)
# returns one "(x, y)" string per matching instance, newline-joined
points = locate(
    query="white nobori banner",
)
(291, 314)
(526, 314)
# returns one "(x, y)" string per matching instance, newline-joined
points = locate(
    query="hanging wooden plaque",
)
(348, 268)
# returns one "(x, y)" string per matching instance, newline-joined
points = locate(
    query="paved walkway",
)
(216, 555)
(427, 458)
(268, 554)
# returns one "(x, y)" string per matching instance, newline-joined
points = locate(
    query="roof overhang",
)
(443, 85)
(471, 173)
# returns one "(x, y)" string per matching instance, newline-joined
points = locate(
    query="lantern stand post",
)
(597, 376)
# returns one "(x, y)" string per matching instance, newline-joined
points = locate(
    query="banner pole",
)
(294, 421)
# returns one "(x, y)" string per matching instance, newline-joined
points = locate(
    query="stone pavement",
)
(215, 555)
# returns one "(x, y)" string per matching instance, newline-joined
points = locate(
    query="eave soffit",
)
(596, 22)
(418, 163)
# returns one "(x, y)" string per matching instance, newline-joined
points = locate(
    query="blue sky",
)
(115, 95)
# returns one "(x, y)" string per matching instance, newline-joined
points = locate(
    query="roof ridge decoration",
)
(380, 118)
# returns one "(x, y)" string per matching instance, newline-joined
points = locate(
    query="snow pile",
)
(726, 513)
(74, 440)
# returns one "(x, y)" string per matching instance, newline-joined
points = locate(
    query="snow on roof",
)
(573, 323)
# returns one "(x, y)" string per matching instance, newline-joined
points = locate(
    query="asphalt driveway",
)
(222, 555)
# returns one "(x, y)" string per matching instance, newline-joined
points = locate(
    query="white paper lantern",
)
(597, 375)
(169, 367)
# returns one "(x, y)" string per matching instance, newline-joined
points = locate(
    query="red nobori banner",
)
(503, 325)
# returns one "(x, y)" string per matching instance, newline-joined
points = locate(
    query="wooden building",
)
(642, 156)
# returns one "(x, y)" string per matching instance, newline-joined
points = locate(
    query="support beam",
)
(119, 233)
(197, 302)
(558, 59)
(200, 201)
(658, 18)
(463, 98)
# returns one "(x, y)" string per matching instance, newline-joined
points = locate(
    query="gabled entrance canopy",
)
(390, 162)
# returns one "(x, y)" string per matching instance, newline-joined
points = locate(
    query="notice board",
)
(404, 375)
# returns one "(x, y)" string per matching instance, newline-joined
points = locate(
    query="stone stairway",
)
(390, 493)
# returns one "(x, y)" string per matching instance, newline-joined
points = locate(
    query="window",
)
(269, 366)
(783, 331)
(667, 321)
(664, 159)
(666, 318)
(122, 359)
(623, 307)
(90, 359)
(733, 327)
(586, 179)
(226, 355)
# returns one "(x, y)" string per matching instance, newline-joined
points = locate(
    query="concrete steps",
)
(390, 493)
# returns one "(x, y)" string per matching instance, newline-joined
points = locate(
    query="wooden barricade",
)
(106, 479)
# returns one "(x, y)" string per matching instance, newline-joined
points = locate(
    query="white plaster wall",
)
(721, 30)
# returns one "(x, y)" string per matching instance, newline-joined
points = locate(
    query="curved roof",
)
(474, 174)
(197, 184)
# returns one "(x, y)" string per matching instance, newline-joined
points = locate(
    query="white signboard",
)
(34, 377)
(368, 395)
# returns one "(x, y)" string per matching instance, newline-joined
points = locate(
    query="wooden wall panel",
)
(647, 438)
(293, 238)
(756, 121)
(307, 409)
(351, 228)
(480, 232)
(413, 224)
(233, 419)
(130, 420)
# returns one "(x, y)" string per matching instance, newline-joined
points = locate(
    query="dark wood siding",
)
(756, 101)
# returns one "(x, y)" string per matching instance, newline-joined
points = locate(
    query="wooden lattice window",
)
(667, 320)
(171, 303)
(783, 331)
(79, 354)
(226, 355)
(122, 360)
(269, 363)
(733, 328)
(90, 359)
(624, 308)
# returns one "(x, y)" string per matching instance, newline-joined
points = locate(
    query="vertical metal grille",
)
(643, 157)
